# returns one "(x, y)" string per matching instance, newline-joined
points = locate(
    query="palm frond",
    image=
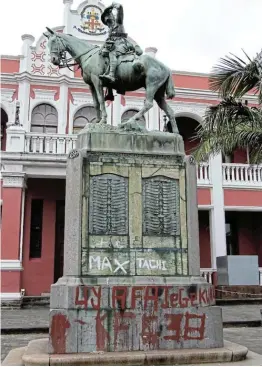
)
(228, 126)
(234, 77)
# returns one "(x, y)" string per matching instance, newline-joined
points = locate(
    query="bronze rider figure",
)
(117, 43)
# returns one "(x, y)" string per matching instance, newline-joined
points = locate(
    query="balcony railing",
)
(207, 273)
(203, 174)
(49, 144)
(242, 175)
(236, 175)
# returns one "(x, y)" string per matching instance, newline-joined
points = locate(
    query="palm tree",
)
(232, 124)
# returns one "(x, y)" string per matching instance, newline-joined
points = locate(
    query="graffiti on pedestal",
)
(149, 315)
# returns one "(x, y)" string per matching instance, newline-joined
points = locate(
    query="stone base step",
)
(36, 354)
(43, 301)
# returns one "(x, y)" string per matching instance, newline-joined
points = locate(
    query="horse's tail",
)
(170, 88)
(138, 66)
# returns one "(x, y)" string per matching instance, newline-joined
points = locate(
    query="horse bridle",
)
(62, 56)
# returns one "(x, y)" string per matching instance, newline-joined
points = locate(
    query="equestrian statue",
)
(118, 65)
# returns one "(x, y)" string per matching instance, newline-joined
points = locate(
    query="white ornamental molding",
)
(10, 296)
(81, 98)
(132, 103)
(7, 95)
(11, 265)
(44, 94)
(8, 104)
(196, 110)
(13, 180)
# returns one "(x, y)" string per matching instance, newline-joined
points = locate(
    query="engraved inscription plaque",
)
(161, 206)
(108, 210)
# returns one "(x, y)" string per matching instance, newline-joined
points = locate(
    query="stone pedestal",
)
(131, 263)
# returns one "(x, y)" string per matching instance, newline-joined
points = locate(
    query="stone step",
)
(42, 301)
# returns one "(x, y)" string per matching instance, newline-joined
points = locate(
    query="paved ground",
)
(12, 341)
(246, 312)
(250, 337)
(25, 318)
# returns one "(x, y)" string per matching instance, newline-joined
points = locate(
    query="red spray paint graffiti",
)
(59, 326)
(140, 313)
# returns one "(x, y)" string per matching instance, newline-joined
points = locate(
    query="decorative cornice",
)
(191, 73)
(10, 296)
(13, 179)
(11, 265)
(44, 94)
(189, 107)
(7, 94)
(81, 97)
(243, 208)
(28, 37)
(79, 83)
(12, 57)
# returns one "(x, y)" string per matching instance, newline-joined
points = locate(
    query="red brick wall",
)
(250, 234)
(38, 274)
(11, 220)
(242, 197)
(203, 196)
(204, 239)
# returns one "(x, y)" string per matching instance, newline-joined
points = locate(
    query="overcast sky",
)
(190, 35)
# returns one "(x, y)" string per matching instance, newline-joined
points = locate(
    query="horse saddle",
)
(126, 58)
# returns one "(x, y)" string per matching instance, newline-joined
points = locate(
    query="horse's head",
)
(56, 46)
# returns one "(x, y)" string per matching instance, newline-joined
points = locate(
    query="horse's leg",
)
(100, 96)
(160, 99)
(96, 103)
(132, 124)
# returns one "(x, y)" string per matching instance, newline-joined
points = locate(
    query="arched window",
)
(44, 119)
(82, 117)
(4, 120)
(129, 114)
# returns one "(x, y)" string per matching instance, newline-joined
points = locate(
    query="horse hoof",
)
(132, 126)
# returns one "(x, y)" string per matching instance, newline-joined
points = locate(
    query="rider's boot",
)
(113, 64)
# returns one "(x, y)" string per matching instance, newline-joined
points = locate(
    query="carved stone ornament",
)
(14, 180)
(73, 154)
(161, 211)
(108, 211)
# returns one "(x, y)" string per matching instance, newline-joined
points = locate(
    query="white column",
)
(63, 107)
(153, 117)
(23, 98)
(117, 110)
(68, 29)
(15, 139)
(66, 18)
(217, 214)
(25, 62)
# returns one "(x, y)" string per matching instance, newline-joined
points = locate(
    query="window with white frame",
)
(83, 116)
(44, 119)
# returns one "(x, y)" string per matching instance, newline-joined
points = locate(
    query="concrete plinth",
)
(35, 354)
(131, 263)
